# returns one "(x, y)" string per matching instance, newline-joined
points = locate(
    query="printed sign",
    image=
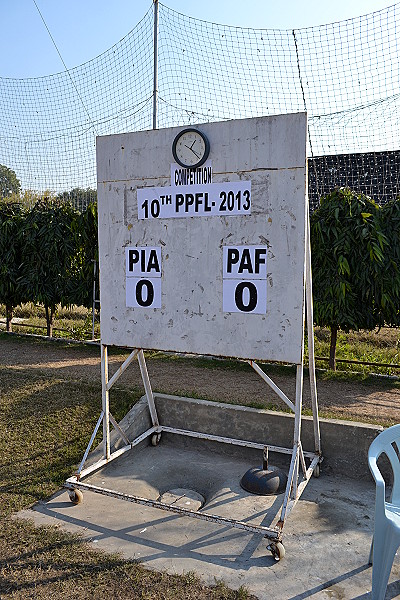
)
(214, 199)
(143, 277)
(244, 279)
(199, 176)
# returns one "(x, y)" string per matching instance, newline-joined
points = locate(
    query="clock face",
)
(190, 148)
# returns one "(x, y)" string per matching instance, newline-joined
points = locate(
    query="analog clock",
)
(190, 148)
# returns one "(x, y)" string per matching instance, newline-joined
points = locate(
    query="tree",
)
(50, 234)
(348, 251)
(11, 247)
(86, 258)
(390, 272)
(9, 184)
(79, 198)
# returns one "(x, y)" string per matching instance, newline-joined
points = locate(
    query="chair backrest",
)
(388, 442)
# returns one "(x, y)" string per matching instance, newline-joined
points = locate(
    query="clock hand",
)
(191, 148)
(195, 153)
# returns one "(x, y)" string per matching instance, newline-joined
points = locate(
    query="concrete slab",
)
(327, 536)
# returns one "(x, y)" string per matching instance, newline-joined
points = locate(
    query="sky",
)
(83, 29)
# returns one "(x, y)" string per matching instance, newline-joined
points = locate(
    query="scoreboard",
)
(207, 259)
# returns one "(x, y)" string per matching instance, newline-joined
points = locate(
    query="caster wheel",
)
(155, 438)
(317, 471)
(277, 550)
(75, 496)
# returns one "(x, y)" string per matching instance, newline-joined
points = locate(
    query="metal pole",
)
(155, 65)
(300, 378)
(310, 332)
(94, 296)
(147, 388)
(105, 402)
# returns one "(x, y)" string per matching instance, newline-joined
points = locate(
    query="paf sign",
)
(245, 279)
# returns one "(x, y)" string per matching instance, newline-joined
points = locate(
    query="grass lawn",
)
(381, 346)
(45, 424)
(74, 322)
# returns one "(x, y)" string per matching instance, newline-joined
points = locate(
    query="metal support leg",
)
(105, 402)
(297, 423)
(310, 332)
(82, 463)
(148, 390)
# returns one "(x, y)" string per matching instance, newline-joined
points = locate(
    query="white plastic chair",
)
(386, 538)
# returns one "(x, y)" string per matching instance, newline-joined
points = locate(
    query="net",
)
(345, 75)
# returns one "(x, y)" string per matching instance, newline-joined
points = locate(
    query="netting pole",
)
(305, 108)
(155, 65)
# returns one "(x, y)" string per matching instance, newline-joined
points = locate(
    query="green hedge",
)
(48, 251)
(355, 261)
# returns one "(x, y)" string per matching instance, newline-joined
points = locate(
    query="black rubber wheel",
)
(317, 470)
(75, 496)
(155, 438)
(277, 550)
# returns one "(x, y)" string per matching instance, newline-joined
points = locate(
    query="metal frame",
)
(299, 474)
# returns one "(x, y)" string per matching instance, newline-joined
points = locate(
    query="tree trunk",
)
(332, 349)
(50, 310)
(9, 316)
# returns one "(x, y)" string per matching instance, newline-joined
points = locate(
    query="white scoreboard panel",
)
(211, 261)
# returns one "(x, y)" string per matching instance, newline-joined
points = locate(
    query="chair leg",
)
(371, 552)
(385, 546)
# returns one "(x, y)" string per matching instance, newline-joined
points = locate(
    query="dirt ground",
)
(374, 402)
